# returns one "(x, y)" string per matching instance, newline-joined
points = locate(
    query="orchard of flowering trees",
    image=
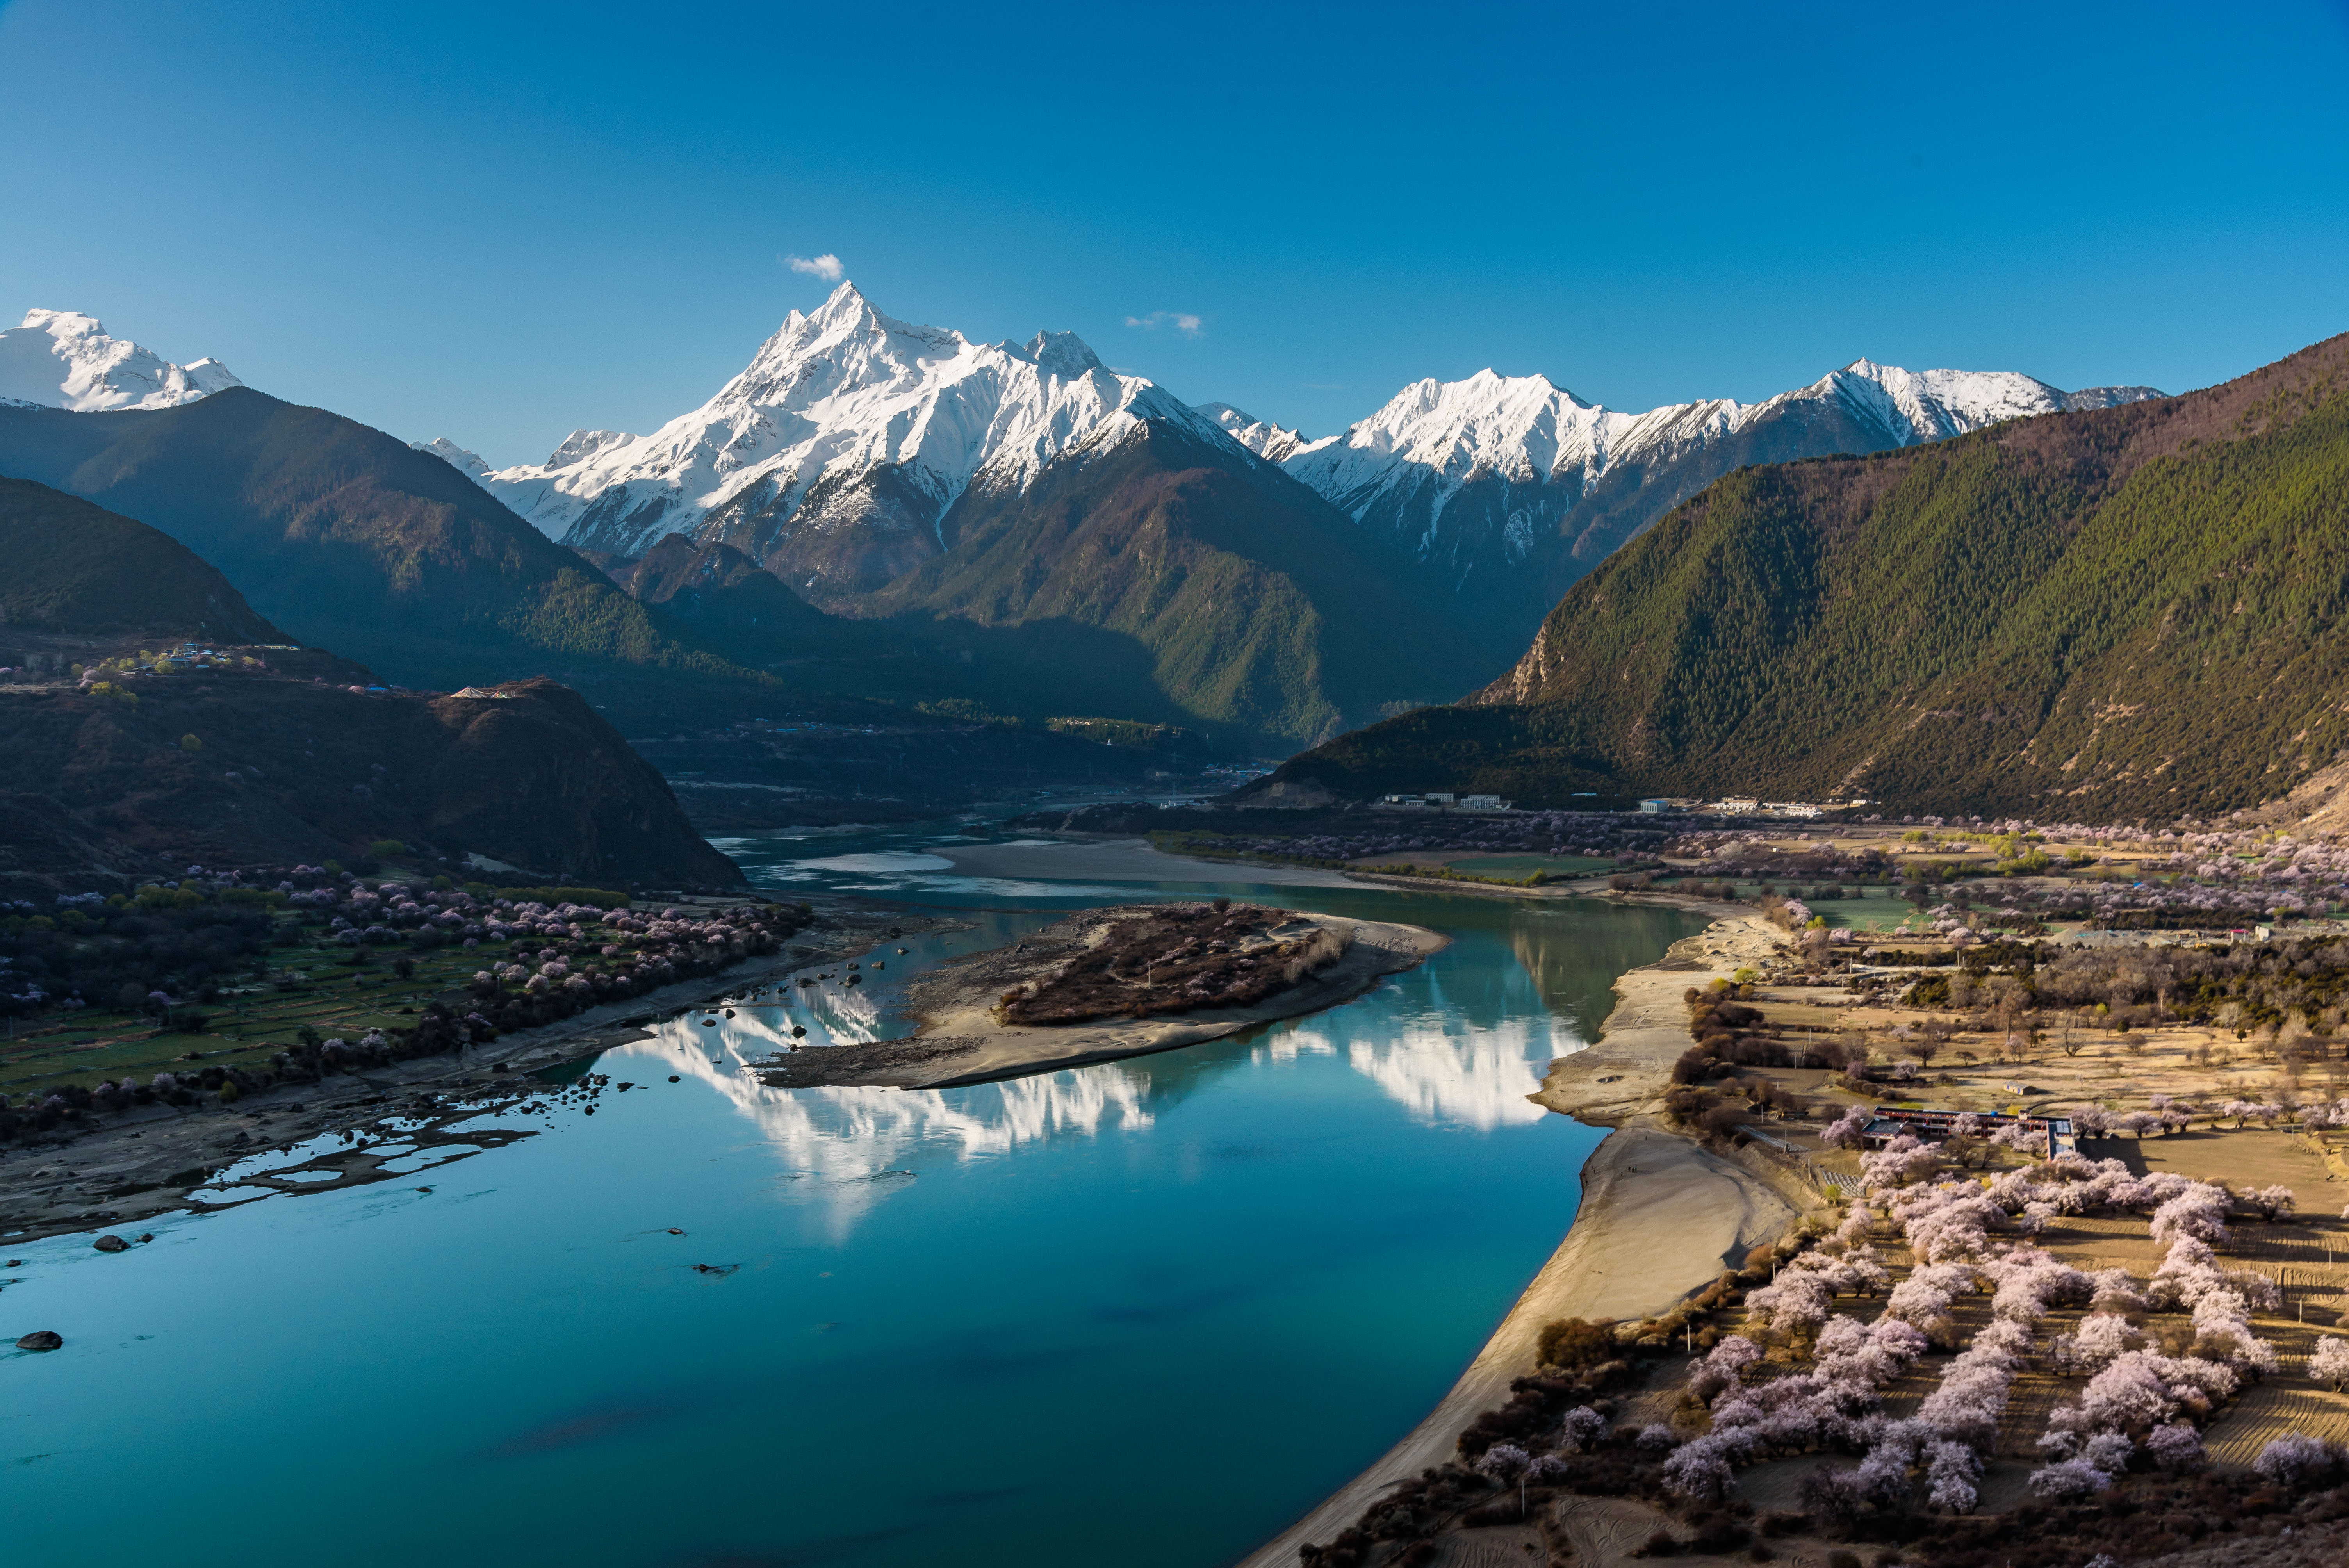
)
(1809, 1370)
(1802, 1376)
(2213, 878)
(163, 950)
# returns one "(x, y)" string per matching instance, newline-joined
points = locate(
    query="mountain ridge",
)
(348, 538)
(843, 410)
(2113, 612)
(1513, 487)
(878, 470)
(75, 567)
(248, 752)
(63, 359)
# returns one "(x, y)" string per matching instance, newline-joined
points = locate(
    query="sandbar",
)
(961, 1041)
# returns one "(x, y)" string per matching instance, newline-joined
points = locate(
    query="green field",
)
(1865, 915)
(1525, 865)
(247, 1026)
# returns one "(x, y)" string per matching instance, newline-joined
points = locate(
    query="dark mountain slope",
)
(1165, 581)
(92, 787)
(725, 600)
(72, 567)
(2119, 612)
(347, 537)
(250, 753)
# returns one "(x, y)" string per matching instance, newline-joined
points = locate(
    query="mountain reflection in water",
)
(1195, 1290)
(1461, 1040)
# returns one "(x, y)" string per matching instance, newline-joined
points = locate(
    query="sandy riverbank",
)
(120, 1169)
(961, 1040)
(1626, 1072)
(1660, 1217)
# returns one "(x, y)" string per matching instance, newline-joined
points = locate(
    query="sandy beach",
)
(1660, 1217)
(1627, 1070)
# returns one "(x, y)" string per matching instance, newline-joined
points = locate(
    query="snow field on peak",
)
(1262, 436)
(63, 359)
(470, 464)
(1441, 436)
(839, 393)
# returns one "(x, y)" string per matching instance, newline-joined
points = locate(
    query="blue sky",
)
(500, 223)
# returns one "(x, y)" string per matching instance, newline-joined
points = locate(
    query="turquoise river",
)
(1145, 1313)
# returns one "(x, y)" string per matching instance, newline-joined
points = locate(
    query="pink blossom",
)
(2297, 1460)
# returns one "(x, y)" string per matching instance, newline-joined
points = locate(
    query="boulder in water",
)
(110, 1243)
(42, 1340)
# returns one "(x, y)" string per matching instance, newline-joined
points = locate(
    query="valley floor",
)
(156, 1158)
(1663, 1215)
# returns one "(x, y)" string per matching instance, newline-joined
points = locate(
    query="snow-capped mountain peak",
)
(1513, 486)
(1933, 405)
(470, 464)
(856, 400)
(1262, 436)
(581, 445)
(1062, 353)
(63, 359)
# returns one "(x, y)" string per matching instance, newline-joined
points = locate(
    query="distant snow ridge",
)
(1265, 439)
(847, 399)
(63, 359)
(1435, 438)
(470, 464)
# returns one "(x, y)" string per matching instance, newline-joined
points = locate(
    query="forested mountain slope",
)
(348, 539)
(2125, 611)
(1158, 579)
(1032, 528)
(73, 568)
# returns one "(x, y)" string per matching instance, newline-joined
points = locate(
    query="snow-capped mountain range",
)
(845, 413)
(470, 464)
(1508, 488)
(1435, 439)
(1503, 488)
(63, 359)
(1262, 436)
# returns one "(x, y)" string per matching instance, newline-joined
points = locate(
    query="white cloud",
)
(825, 266)
(1181, 321)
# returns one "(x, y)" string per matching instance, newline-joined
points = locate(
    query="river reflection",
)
(1463, 1040)
(1143, 1312)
